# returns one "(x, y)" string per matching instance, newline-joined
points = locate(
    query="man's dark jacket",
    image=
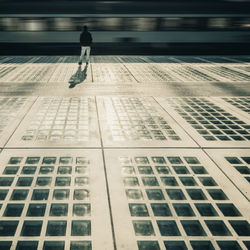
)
(85, 38)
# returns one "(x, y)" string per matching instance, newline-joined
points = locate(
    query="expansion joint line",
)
(106, 178)
(224, 173)
(27, 112)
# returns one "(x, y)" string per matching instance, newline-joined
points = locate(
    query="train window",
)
(50, 25)
(63, 24)
(30, 24)
(134, 24)
(2, 26)
(10, 24)
(245, 24)
(189, 23)
(145, 24)
(79, 22)
(171, 23)
(218, 23)
(111, 24)
(92, 23)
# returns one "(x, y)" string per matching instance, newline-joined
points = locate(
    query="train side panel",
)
(137, 37)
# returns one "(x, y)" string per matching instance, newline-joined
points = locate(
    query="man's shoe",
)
(80, 63)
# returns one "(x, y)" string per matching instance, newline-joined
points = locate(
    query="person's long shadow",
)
(78, 77)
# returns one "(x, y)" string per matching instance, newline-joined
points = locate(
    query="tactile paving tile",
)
(188, 59)
(190, 69)
(239, 104)
(138, 121)
(59, 122)
(53, 199)
(174, 69)
(105, 59)
(33, 73)
(245, 69)
(18, 59)
(3, 58)
(189, 73)
(164, 199)
(226, 74)
(217, 59)
(11, 66)
(12, 110)
(64, 72)
(5, 70)
(236, 165)
(133, 59)
(150, 72)
(202, 69)
(48, 59)
(209, 123)
(70, 59)
(109, 73)
(161, 59)
(242, 103)
(241, 59)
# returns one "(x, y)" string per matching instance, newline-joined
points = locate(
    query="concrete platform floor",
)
(127, 153)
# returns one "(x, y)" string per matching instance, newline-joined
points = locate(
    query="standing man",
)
(85, 41)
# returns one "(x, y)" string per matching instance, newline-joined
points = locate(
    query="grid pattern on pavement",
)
(212, 123)
(134, 171)
(53, 199)
(132, 121)
(57, 121)
(12, 110)
(178, 199)
(125, 69)
(242, 103)
(236, 165)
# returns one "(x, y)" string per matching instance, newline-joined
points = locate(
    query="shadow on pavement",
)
(78, 77)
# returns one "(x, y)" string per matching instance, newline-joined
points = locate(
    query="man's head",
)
(85, 28)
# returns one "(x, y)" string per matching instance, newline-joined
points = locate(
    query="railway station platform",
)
(127, 153)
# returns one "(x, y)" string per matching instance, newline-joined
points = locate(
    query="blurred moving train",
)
(124, 27)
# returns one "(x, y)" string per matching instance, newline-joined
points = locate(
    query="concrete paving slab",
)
(3, 59)
(59, 122)
(240, 59)
(209, 123)
(239, 104)
(33, 73)
(188, 73)
(54, 198)
(63, 73)
(161, 59)
(17, 60)
(219, 59)
(105, 59)
(160, 75)
(111, 73)
(12, 111)
(166, 198)
(138, 122)
(150, 73)
(158, 178)
(191, 60)
(4, 70)
(235, 165)
(48, 59)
